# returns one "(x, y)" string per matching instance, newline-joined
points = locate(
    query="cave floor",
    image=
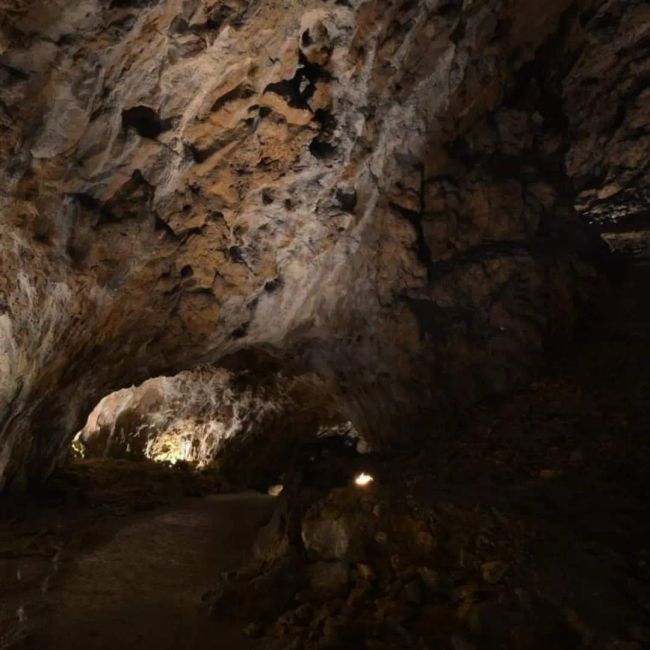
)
(124, 579)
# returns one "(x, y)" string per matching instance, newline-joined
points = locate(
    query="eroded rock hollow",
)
(389, 196)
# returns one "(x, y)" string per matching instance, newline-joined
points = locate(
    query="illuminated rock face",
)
(370, 191)
(169, 419)
(198, 416)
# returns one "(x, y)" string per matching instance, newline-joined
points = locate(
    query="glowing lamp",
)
(363, 479)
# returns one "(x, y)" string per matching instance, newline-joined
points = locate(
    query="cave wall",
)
(376, 192)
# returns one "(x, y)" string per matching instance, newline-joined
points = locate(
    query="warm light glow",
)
(363, 479)
(169, 449)
(275, 490)
(77, 447)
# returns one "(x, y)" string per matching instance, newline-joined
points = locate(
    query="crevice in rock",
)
(298, 90)
(145, 121)
(324, 146)
(241, 91)
(133, 4)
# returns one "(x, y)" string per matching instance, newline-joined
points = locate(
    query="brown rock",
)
(493, 572)
(139, 238)
(328, 579)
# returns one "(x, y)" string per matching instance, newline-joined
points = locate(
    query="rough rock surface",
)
(193, 416)
(607, 112)
(378, 192)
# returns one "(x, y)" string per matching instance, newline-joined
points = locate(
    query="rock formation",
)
(183, 418)
(389, 195)
(217, 419)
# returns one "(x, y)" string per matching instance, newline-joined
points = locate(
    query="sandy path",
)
(141, 587)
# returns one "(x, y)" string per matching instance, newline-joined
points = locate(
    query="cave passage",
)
(538, 492)
(324, 325)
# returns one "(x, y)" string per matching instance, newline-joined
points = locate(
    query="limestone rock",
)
(377, 193)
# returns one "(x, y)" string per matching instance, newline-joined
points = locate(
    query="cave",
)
(324, 325)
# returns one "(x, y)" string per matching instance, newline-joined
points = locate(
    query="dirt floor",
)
(100, 574)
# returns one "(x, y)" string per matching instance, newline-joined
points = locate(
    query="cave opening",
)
(205, 421)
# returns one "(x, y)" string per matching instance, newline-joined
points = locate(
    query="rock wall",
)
(373, 191)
